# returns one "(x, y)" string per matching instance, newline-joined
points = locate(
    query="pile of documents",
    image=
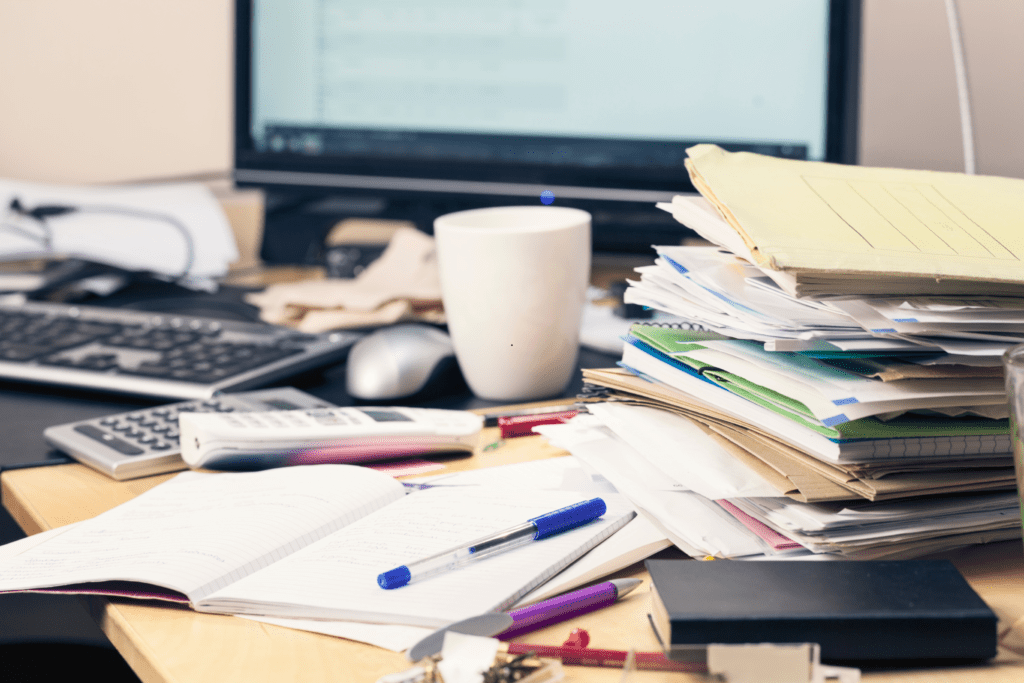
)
(842, 341)
(174, 231)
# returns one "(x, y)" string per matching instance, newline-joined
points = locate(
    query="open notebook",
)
(304, 542)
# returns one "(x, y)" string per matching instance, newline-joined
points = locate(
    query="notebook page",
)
(198, 530)
(337, 578)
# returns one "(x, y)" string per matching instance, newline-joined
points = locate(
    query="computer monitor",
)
(413, 108)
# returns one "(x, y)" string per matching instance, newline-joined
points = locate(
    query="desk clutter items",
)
(514, 282)
(151, 354)
(855, 611)
(140, 443)
(493, 543)
(523, 620)
(400, 286)
(467, 658)
(829, 230)
(817, 386)
(303, 542)
(229, 440)
(178, 232)
(399, 361)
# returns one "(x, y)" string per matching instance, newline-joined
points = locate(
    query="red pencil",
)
(588, 656)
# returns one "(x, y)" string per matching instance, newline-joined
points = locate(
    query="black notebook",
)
(857, 611)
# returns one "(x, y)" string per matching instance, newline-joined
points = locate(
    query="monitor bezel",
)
(391, 177)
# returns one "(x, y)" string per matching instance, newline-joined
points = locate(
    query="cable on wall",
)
(963, 93)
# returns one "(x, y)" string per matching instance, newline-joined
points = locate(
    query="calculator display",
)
(385, 415)
(279, 404)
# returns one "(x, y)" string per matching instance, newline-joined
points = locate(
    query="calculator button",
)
(134, 433)
(110, 440)
(136, 417)
(109, 421)
(148, 423)
(172, 434)
(122, 427)
(148, 440)
(161, 429)
(160, 446)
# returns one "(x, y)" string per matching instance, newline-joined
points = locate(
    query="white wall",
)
(109, 90)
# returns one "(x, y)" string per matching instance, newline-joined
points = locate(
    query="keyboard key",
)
(131, 346)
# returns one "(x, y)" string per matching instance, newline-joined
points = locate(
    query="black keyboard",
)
(166, 356)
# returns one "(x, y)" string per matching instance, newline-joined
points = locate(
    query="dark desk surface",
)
(27, 409)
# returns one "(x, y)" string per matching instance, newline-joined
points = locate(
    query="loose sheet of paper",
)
(122, 226)
(693, 523)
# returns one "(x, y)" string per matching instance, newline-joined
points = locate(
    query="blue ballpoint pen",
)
(535, 529)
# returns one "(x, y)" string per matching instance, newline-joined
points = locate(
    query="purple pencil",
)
(567, 606)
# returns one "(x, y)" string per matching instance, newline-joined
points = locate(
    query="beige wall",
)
(909, 111)
(108, 90)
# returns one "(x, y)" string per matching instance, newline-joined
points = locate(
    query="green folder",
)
(663, 342)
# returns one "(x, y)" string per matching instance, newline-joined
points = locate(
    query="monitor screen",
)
(589, 103)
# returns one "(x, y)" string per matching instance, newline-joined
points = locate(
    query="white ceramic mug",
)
(514, 282)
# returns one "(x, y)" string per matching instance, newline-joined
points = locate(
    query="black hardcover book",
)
(856, 611)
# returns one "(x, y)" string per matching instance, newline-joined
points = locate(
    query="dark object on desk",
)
(150, 354)
(402, 361)
(856, 611)
(617, 291)
(46, 662)
(54, 459)
(346, 261)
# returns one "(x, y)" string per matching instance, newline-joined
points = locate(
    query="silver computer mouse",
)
(397, 361)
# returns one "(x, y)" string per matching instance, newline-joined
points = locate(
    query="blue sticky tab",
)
(394, 578)
(678, 266)
(845, 401)
(568, 518)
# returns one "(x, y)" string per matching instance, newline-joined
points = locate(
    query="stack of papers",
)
(829, 229)
(850, 361)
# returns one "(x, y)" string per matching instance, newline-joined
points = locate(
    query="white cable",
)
(963, 94)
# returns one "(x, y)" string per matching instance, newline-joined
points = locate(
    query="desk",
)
(173, 644)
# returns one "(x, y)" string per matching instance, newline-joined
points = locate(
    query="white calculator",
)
(251, 441)
(144, 442)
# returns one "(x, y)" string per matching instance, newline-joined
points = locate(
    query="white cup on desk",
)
(514, 282)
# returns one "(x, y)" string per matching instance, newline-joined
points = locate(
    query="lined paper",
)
(337, 578)
(199, 531)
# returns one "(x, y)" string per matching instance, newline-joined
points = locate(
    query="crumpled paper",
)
(401, 285)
